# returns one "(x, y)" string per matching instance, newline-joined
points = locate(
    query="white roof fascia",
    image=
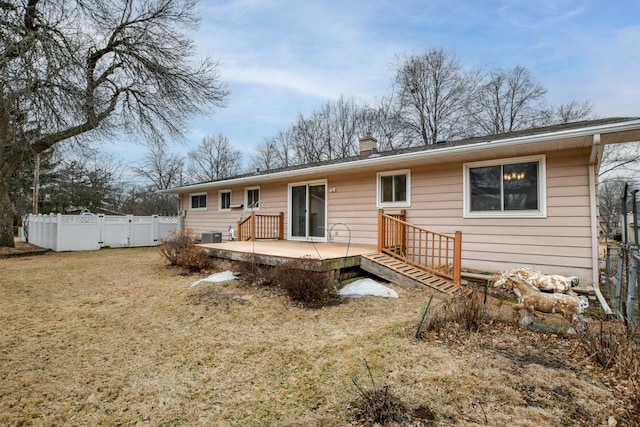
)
(437, 153)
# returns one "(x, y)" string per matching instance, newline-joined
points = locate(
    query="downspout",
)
(596, 155)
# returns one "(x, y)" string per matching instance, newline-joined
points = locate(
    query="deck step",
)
(416, 274)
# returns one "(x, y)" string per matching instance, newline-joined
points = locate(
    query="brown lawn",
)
(114, 337)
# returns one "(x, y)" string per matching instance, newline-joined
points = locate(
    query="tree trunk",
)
(7, 213)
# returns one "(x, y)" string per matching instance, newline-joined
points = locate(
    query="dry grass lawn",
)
(114, 337)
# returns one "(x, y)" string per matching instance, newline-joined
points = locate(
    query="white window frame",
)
(191, 196)
(399, 204)
(541, 212)
(220, 193)
(246, 198)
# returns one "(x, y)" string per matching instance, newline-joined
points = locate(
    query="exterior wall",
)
(559, 243)
(353, 204)
(273, 201)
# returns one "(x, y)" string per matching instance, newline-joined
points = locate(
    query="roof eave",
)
(488, 145)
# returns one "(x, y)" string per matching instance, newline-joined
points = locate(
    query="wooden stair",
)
(389, 268)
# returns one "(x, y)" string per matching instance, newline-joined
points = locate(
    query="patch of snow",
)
(223, 276)
(367, 287)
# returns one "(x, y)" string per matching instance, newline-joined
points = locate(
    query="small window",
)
(252, 198)
(199, 201)
(225, 200)
(513, 187)
(394, 189)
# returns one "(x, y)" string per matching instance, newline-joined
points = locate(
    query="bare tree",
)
(432, 94)
(89, 70)
(328, 133)
(610, 196)
(275, 152)
(432, 98)
(161, 168)
(385, 122)
(506, 100)
(621, 161)
(344, 122)
(214, 159)
(265, 156)
(573, 111)
(310, 138)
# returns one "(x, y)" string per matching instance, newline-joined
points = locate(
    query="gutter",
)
(594, 158)
(431, 154)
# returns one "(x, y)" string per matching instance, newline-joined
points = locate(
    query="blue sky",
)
(282, 58)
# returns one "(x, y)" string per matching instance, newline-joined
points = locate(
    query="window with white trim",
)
(224, 200)
(199, 201)
(394, 188)
(252, 198)
(506, 188)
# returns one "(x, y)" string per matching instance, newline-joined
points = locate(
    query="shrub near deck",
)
(113, 337)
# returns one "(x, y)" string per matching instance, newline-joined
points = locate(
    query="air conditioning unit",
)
(211, 237)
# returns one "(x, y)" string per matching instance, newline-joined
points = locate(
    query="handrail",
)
(436, 252)
(261, 226)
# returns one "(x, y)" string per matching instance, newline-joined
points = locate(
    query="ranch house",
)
(526, 198)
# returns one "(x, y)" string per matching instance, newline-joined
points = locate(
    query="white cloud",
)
(285, 57)
(539, 15)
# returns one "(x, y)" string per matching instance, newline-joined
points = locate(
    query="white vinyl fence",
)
(90, 232)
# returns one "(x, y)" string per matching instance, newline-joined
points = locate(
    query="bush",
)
(194, 259)
(613, 348)
(380, 406)
(179, 250)
(454, 315)
(176, 242)
(254, 273)
(302, 281)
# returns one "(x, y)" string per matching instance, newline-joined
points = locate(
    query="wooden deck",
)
(273, 252)
(334, 256)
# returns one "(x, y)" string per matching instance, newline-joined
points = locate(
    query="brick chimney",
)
(368, 145)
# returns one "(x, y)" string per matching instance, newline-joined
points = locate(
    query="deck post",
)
(403, 231)
(252, 224)
(381, 230)
(281, 226)
(457, 257)
(239, 233)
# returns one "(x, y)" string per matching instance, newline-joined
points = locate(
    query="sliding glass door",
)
(308, 211)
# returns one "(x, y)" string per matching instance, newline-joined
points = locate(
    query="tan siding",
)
(568, 201)
(561, 242)
(354, 204)
(568, 191)
(544, 262)
(273, 201)
(527, 248)
(533, 240)
(542, 231)
(553, 243)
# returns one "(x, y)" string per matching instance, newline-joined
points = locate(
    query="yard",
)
(115, 337)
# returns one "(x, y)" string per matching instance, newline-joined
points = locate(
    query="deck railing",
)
(261, 226)
(436, 252)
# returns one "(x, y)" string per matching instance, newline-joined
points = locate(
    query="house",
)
(526, 198)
